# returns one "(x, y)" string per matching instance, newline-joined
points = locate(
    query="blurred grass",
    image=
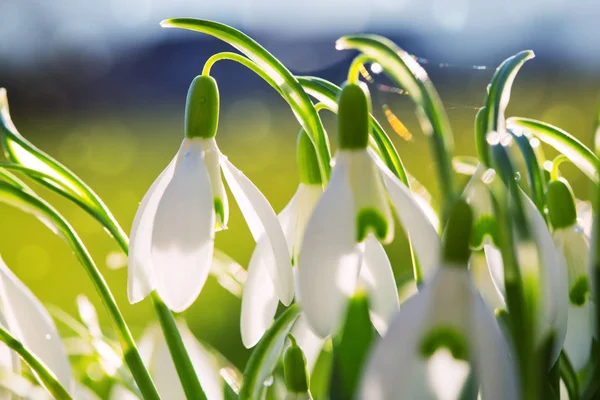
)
(120, 152)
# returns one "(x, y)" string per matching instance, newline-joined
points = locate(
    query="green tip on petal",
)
(370, 220)
(457, 236)
(560, 199)
(353, 116)
(308, 163)
(445, 337)
(295, 369)
(219, 210)
(579, 291)
(485, 226)
(202, 108)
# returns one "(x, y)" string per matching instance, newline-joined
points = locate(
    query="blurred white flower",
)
(24, 316)
(437, 339)
(549, 271)
(573, 245)
(172, 237)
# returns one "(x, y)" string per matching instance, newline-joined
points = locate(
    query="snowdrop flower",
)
(551, 271)
(172, 237)
(22, 314)
(574, 247)
(259, 299)
(342, 241)
(441, 335)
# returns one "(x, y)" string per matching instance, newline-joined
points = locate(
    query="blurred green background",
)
(118, 124)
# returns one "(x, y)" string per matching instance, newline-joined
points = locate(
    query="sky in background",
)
(100, 29)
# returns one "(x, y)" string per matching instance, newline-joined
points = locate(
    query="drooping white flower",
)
(341, 245)
(172, 235)
(25, 318)
(573, 245)
(550, 270)
(157, 358)
(443, 334)
(438, 337)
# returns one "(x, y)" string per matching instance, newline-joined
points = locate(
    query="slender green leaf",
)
(264, 358)
(45, 375)
(535, 172)
(563, 142)
(290, 88)
(569, 376)
(25, 199)
(406, 72)
(350, 348)
(327, 93)
(500, 88)
(50, 172)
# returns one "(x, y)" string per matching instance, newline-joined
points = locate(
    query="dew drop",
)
(517, 176)
(578, 229)
(48, 337)
(269, 381)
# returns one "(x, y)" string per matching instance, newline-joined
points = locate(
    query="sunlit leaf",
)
(563, 142)
(290, 88)
(265, 356)
(47, 171)
(406, 72)
(535, 172)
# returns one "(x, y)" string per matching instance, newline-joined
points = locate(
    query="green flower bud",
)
(561, 204)
(295, 369)
(308, 163)
(457, 235)
(202, 108)
(353, 116)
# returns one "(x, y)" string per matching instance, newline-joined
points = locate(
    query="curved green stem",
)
(37, 206)
(555, 173)
(569, 376)
(354, 70)
(45, 375)
(246, 62)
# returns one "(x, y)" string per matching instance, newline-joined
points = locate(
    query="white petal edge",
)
(329, 259)
(494, 367)
(140, 277)
(495, 265)
(377, 277)
(29, 321)
(259, 299)
(416, 223)
(183, 231)
(310, 343)
(261, 218)
(578, 342)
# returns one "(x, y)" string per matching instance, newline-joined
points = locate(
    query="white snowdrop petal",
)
(310, 343)
(378, 279)
(213, 165)
(554, 277)
(578, 342)
(494, 367)
(329, 258)
(288, 218)
(205, 364)
(261, 218)
(259, 299)
(308, 196)
(416, 223)
(495, 265)
(395, 368)
(140, 276)
(367, 188)
(585, 217)
(183, 232)
(482, 279)
(29, 321)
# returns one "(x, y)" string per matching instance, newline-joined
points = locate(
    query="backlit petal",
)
(29, 321)
(140, 276)
(578, 342)
(259, 300)
(183, 232)
(377, 277)
(329, 258)
(261, 218)
(416, 223)
(310, 343)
